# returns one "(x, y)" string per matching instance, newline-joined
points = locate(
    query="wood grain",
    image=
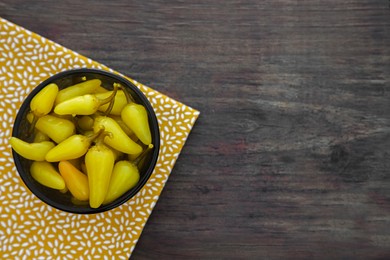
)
(290, 157)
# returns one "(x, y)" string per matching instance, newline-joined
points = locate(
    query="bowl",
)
(63, 201)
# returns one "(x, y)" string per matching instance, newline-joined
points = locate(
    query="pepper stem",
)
(143, 154)
(95, 135)
(129, 98)
(112, 101)
(102, 134)
(110, 98)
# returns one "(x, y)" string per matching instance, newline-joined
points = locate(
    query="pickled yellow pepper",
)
(76, 181)
(85, 123)
(83, 88)
(119, 140)
(125, 176)
(99, 162)
(73, 147)
(136, 118)
(42, 103)
(83, 105)
(47, 175)
(58, 129)
(31, 151)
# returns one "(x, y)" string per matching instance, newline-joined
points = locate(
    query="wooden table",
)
(290, 157)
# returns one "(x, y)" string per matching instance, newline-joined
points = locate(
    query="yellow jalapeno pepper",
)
(83, 105)
(136, 118)
(42, 103)
(46, 174)
(83, 88)
(85, 123)
(31, 151)
(119, 140)
(73, 147)
(58, 129)
(76, 181)
(99, 162)
(125, 176)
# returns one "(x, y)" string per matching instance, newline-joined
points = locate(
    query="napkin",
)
(33, 230)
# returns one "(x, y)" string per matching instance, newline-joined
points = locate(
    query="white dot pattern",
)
(30, 229)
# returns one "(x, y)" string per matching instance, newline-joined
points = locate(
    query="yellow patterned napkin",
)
(33, 230)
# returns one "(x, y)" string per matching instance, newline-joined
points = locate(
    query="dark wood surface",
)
(290, 157)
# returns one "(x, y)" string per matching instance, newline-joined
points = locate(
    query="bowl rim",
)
(129, 194)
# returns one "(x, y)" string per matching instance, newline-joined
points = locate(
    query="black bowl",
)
(21, 126)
